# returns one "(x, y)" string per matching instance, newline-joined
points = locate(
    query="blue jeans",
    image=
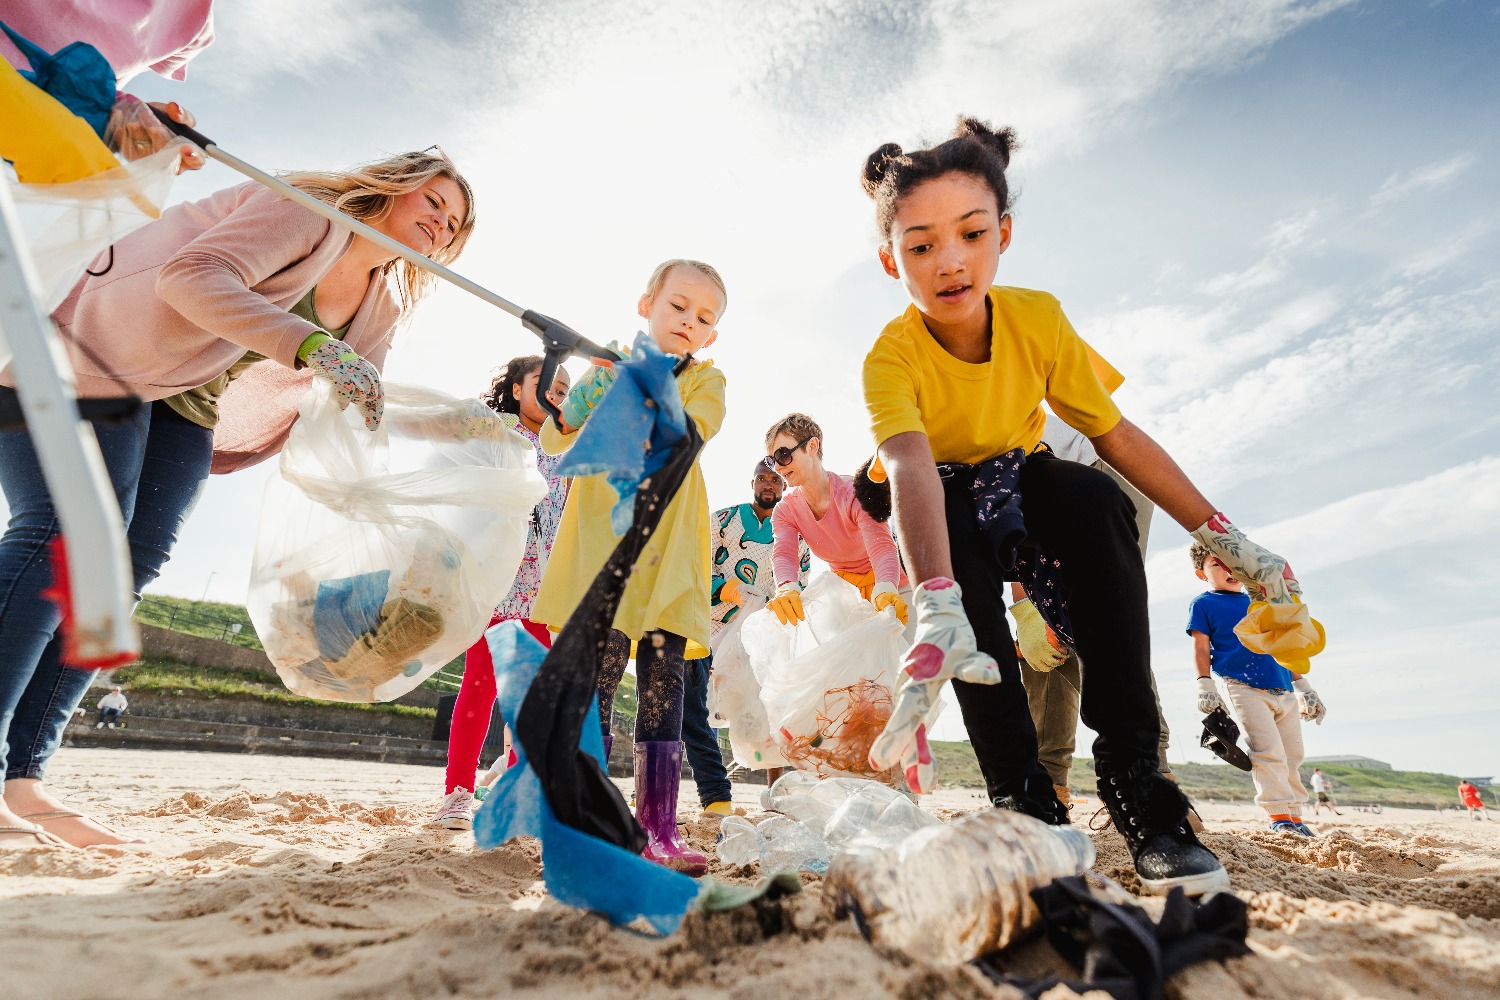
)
(703, 753)
(157, 463)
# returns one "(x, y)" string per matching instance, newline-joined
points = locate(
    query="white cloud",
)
(1434, 175)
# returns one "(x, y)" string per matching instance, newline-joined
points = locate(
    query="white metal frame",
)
(99, 567)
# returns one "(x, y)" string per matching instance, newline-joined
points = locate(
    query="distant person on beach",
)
(1263, 696)
(111, 707)
(1468, 794)
(1320, 786)
(740, 539)
(664, 610)
(512, 394)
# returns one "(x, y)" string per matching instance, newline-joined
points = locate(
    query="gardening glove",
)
(590, 390)
(1311, 706)
(788, 604)
(730, 592)
(1208, 696)
(1284, 631)
(883, 595)
(354, 379)
(1269, 580)
(859, 581)
(945, 649)
(1039, 645)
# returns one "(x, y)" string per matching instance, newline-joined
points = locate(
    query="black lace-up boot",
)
(1152, 815)
(1033, 796)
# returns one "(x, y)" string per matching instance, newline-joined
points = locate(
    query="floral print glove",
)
(354, 379)
(945, 649)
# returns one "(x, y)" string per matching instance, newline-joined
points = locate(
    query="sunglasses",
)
(783, 456)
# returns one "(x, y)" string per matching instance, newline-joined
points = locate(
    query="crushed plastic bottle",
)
(847, 812)
(739, 841)
(951, 893)
(778, 843)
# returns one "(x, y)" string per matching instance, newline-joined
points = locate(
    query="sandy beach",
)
(291, 877)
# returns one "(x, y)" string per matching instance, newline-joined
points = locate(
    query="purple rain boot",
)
(658, 771)
(609, 746)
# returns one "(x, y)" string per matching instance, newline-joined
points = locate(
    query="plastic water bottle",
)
(739, 842)
(951, 893)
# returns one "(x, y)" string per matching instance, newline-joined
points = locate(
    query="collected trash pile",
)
(381, 556)
(813, 695)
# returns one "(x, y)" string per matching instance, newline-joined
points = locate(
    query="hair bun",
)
(878, 165)
(1001, 142)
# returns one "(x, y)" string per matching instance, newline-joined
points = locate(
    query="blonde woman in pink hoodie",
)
(241, 283)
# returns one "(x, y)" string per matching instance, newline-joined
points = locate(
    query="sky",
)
(1273, 217)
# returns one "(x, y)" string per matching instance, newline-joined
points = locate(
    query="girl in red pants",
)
(513, 396)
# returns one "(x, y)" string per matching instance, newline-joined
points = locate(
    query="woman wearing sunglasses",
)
(820, 508)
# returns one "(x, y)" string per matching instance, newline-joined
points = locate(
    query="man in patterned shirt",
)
(740, 538)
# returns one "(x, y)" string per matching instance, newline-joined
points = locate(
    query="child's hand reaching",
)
(945, 649)
(590, 389)
(1308, 702)
(1208, 695)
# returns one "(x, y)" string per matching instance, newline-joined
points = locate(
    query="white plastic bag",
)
(826, 683)
(734, 693)
(380, 557)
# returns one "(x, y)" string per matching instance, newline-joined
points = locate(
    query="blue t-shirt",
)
(1215, 613)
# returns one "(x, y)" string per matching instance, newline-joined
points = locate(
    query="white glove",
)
(1311, 706)
(1208, 695)
(945, 648)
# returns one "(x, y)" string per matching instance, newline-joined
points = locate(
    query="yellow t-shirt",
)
(971, 413)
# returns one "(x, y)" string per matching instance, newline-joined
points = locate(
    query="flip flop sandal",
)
(43, 838)
(1219, 737)
(44, 817)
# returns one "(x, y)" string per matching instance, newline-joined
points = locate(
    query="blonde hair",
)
(798, 425)
(367, 192)
(659, 276)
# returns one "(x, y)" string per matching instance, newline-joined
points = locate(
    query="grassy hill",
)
(1351, 785)
(178, 680)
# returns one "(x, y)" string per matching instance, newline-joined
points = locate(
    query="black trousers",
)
(659, 681)
(1080, 516)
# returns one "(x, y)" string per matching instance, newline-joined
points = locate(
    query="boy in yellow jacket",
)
(665, 607)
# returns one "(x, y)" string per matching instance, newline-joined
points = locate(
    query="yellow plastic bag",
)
(1287, 632)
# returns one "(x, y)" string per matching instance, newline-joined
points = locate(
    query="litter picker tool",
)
(559, 340)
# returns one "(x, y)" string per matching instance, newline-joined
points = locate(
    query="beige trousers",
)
(1053, 696)
(1272, 727)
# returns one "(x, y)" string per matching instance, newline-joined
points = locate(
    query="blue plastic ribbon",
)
(579, 870)
(632, 431)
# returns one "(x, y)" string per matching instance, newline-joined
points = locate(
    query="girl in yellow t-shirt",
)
(665, 607)
(954, 387)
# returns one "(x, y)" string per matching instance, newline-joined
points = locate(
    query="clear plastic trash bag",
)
(381, 556)
(734, 693)
(826, 683)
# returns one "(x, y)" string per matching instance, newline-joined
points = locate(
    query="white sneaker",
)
(99, 725)
(111, 725)
(456, 811)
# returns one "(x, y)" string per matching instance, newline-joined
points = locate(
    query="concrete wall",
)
(315, 715)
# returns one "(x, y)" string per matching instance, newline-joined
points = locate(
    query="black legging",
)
(658, 683)
(1080, 516)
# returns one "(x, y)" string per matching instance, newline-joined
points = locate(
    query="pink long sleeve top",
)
(846, 538)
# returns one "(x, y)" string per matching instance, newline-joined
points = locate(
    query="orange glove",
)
(860, 581)
(788, 604)
(884, 596)
(730, 592)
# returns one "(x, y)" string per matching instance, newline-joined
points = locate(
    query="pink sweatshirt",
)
(847, 538)
(187, 295)
(133, 35)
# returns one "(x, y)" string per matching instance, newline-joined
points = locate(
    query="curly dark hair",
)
(502, 397)
(975, 149)
(874, 497)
